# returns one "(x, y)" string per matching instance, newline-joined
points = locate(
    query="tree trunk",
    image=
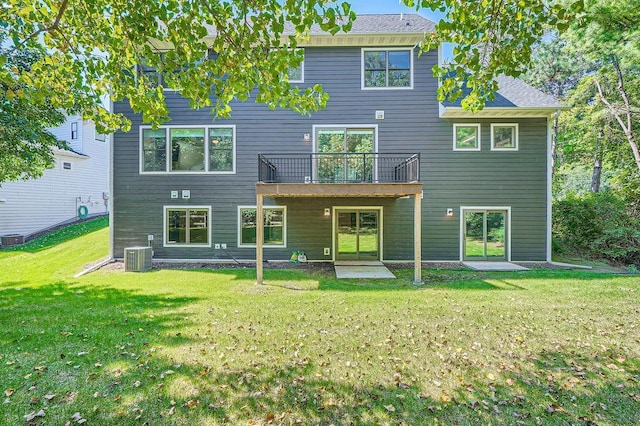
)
(597, 164)
(595, 177)
(624, 115)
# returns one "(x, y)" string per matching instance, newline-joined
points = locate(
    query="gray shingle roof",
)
(382, 24)
(515, 93)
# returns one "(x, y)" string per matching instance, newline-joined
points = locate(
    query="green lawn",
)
(209, 346)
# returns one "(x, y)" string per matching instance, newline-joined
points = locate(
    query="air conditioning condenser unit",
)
(137, 259)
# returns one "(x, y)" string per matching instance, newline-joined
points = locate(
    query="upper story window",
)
(101, 137)
(74, 130)
(466, 137)
(387, 69)
(296, 74)
(187, 149)
(504, 136)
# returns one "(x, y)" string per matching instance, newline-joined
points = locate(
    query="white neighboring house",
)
(77, 186)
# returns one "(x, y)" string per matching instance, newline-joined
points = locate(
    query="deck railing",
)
(338, 167)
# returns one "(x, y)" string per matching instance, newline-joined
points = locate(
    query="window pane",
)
(331, 140)
(375, 60)
(295, 74)
(248, 226)
(466, 137)
(504, 137)
(198, 227)
(154, 146)
(177, 226)
(375, 79)
(273, 226)
(399, 78)
(221, 149)
(187, 149)
(399, 60)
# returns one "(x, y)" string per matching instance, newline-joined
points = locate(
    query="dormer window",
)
(387, 69)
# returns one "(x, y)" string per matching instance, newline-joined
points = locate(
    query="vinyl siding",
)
(411, 125)
(37, 204)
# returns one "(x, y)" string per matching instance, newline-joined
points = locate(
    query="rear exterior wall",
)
(411, 125)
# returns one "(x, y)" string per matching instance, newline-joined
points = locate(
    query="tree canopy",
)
(237, 50)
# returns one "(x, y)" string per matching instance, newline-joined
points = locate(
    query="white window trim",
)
(301, 66)
(516, 136)
(284, 226)
(387, 49)
(477, 126)
(165, 225)
(167, 170)
(508, 227)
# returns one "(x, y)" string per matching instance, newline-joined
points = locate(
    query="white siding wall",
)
(30, 206)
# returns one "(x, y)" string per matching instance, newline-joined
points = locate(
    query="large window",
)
(504, 136)
(191, 149)
(187, 226)
(387, 68)
(274, 226)
(466, 137)
(341, 154)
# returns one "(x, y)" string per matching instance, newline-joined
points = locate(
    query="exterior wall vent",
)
(137, 259)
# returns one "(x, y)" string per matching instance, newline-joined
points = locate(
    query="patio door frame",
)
(334, 227)
(486, 209)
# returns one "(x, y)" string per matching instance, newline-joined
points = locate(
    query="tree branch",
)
(53, 26)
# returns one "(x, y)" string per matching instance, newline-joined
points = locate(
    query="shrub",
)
(597, 226)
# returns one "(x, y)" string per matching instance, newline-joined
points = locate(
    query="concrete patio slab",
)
(363, 271)
(494, 266)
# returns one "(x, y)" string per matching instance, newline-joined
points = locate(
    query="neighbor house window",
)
(74, 130)
(66, 165)
(187, 226)
(274, 226)
(387, 68)
(296, 74)
(101, 137)
(504, 136)
(466, 137)
(188, 149)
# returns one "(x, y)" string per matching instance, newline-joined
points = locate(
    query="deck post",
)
(259, 238)
(417, 238)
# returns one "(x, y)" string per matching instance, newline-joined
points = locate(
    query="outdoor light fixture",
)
(306, 137)
(449, 212)
(327, 212)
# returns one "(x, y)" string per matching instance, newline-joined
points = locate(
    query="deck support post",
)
(259, 238)
(417, 238)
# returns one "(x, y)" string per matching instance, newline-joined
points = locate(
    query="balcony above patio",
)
(338, 175)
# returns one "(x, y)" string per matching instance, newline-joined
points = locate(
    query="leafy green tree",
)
(25, 144)
(609, 38)
(555, 71)
(237, 50)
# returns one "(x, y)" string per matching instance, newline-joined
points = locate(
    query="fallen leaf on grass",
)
(40, 367)
(78, 418)
(50, 396)
(33, 415)
(192, 403)
(172, 411)
(9, 392)
(390, 408)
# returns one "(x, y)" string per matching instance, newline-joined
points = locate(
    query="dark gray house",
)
(385, 172)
